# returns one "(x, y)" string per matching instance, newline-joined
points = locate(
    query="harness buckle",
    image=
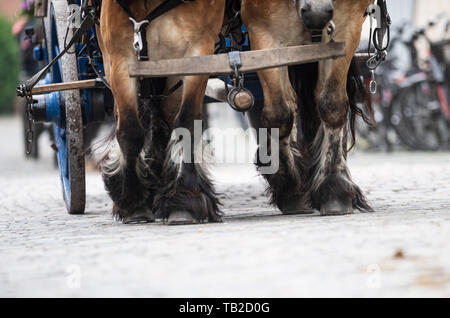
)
(330, 30)
(138, 44)
(374, 12)
(374, 61)
(372, 64)
(234, 58)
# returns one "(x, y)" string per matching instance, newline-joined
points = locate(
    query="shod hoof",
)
(296, 205)
(139, 217)
(181, 218)
(335, 207)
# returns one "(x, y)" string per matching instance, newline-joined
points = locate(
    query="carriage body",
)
(68, 111)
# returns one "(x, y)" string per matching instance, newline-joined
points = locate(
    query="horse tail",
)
(157, 130)
(304, 80)
(358, 95)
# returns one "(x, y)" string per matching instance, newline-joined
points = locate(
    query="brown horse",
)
(140, 174)
(149, 172)
(318, 97)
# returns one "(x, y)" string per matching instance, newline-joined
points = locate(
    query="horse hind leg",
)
(125, 172)
(188, 195)
(274, 24)
(287, 184)
(153, 117)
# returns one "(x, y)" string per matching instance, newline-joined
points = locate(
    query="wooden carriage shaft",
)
(215, 89)
(216, 65)
(251, 61)
(65, 86)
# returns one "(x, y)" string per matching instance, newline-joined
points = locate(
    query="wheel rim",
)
(67, 134)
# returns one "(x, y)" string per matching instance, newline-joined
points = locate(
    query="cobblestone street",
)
(403, 249)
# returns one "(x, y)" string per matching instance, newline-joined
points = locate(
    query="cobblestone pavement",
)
(403, 249)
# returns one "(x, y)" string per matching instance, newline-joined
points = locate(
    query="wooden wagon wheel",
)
(69, 133)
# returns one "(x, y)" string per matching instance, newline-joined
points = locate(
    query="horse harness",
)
(140, 28)
(233, 31)
(378, 12)
(140, 46)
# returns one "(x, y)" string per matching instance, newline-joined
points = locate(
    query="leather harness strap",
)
(378, 11)
(140, 28)
(141, 46)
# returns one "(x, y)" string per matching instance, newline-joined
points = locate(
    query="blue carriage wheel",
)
(69, 131)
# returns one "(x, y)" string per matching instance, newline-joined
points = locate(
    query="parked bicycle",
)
(411, 105)
(420, 108)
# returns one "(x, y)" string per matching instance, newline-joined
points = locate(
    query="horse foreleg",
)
(333, 191)
(124, 170)
(275, 24)
(287, 183)
(188, 195)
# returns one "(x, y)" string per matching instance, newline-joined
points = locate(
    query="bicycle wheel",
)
(422, 113)
(417, 117)
(398, 121)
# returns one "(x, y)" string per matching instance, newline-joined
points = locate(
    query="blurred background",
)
(10, 61)
(411, 102)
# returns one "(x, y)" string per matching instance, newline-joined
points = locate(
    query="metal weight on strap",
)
(239, 98)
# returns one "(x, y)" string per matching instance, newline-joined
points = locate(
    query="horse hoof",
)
(181, 218)
(335, 207)
(296, 205)
(139, 217)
